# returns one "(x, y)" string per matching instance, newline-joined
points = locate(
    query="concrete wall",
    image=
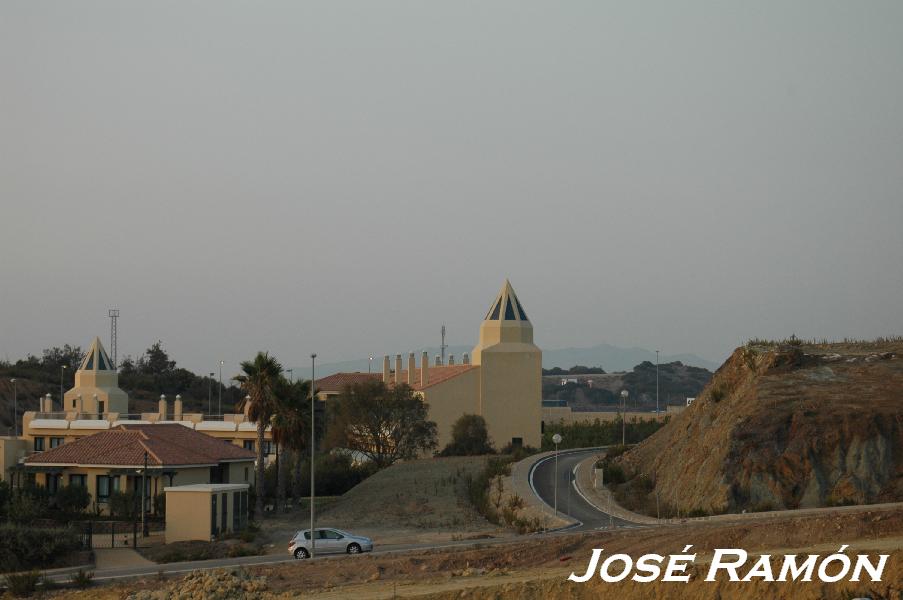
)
(450, 399)
(188, 514)
(511, 392)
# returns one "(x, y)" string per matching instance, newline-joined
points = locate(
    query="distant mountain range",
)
(611, 358)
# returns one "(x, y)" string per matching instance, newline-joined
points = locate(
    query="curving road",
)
(570, 501)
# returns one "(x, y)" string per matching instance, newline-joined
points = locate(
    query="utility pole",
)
(114, 316)
(443, 346)
(624, 395)
(557, 440)
(313, 533)
(62, 371)
(210, 394)
(291, 374)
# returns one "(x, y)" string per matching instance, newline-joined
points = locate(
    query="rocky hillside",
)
(782, 426)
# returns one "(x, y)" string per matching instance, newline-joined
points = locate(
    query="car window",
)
(332, 535)
(321, 534)
(306, 535)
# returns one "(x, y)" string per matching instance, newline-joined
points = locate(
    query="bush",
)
(27, 504)
(123, 505)
(27, 547)
(598, 433)
(82, 579)
(22, 585)
(72, 499)
(470, 437)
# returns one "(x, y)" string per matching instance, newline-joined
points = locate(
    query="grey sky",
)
(342, 177)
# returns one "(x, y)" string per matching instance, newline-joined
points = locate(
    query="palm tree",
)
(260, 380)
(291, 429)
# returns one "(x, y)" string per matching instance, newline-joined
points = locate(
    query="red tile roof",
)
(166, 445)
(337, 382)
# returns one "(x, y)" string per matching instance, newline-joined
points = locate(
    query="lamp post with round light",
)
(557, 440)
(313, 533)
(62, 371)
(624, 395)
(220, 407)
(15, 408)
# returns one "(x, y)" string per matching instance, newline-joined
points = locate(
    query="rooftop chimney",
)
(424, 369)
(161, 407)
(398, 369)
(177, 408)
(438, 361)
(48, 403)
(466, 359)
(451, 359)
(411, 367)
(386, 370)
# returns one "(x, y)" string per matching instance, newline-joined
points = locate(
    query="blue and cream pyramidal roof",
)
(506, 306)
(96, 359)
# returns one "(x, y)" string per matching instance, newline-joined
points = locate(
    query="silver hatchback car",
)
(328, 541)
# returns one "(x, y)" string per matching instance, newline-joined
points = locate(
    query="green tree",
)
(385, 424)
(72, 499)
(470, 437)
(155, 360)
(291, 431)
(260, 380)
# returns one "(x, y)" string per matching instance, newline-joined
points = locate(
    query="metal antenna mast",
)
(443, 346)
(114, 315)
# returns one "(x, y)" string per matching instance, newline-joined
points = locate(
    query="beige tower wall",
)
(511, 392)
(103, 383)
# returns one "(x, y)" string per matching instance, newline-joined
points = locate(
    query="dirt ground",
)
(418, 501)
(538, 568)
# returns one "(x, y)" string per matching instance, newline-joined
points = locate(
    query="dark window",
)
(100, 407)
(520, 309)
(246, 473)
(329, 534)
(78, 480)
(244, 509)
(39, 444)
(90, 364)
(509, 311)
(267, 448)
(236, 511)
(103, 488)
(248, 445)
(224, 522)
(517, 442)
(307, 535)
(53, 482)
(495, 311)
(56, 441)
(73, 403)
(102, 365)
(213, 514)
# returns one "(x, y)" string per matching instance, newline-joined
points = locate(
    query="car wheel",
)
(301, 554)
(354, 549)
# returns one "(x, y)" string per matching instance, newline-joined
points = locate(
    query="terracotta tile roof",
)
(166, 445)
(338, 381)
(335, 383)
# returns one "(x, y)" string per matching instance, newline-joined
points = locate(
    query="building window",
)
(105, 485)
(56, 441)
(78, 480)
(73, 403)
(236, 510)
(517, 442)
(249, 445)
(246, 473)
(100, 407)
(267, 448)
(39, 444)
(53, 482)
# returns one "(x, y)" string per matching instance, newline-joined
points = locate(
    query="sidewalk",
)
(115, 558)
(519, 483)
(602, 498)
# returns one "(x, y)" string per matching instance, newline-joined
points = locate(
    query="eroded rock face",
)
(785, 427)
(219, 584)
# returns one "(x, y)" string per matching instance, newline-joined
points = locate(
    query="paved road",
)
(570, 501)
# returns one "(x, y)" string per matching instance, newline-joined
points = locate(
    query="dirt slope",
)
(784, 426)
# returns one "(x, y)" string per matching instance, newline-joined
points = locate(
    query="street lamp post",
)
(557, 440)
(313, 533)
(624, 395)
(210, 394)
(656, 383)
(15, 409)
(220, 407)
(370, 365)
(144, 531)
(62, 371)
(291, 375)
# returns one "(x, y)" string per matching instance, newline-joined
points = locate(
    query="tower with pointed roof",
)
(510, 395)
(96, 389)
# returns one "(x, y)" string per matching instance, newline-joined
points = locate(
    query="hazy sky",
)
(342, 177)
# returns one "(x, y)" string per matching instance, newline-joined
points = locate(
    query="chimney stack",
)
(451, 359)
(438, 361)
(398, 369)
(411, 367)
(466, 359)
(161, 408)
(424, 369)
(48, 404)
(177, 408)
(386, 370)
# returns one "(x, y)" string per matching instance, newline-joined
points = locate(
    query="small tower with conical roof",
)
(510, 372)
(96, 388)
